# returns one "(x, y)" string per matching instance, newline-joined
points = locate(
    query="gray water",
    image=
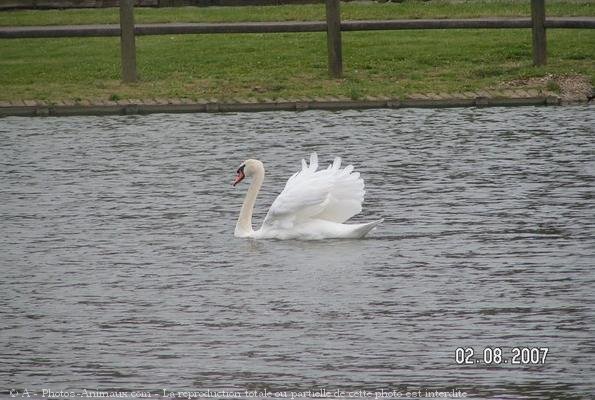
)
(119, 269)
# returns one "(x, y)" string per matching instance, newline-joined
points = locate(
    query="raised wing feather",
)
(332, 194)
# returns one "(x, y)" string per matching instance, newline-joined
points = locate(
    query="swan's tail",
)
(363, 229)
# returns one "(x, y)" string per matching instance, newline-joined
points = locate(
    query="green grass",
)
(393, 63)
(225, 66)
(307, 12)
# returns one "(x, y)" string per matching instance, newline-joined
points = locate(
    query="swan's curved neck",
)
(244, 224)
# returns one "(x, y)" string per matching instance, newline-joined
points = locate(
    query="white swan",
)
(313, 205)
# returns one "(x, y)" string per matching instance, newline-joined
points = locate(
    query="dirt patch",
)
(577, 87)
(570, 88)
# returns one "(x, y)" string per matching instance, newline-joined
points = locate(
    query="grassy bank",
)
(410, 9)
(392, 63)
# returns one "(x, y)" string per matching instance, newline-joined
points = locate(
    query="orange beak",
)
(239, 177)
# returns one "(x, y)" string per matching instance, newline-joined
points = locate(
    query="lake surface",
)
(119, 270)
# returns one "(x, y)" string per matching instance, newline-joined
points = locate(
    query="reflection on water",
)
(119, 269)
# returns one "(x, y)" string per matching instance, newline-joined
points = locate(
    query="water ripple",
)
(119, 268)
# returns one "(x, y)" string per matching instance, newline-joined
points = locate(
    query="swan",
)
(313, 205)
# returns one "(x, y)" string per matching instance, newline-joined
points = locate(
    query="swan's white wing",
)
(333, 194)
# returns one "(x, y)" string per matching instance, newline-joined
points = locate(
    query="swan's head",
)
(248, 168)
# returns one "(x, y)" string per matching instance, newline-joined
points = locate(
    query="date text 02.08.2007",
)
(496, 356)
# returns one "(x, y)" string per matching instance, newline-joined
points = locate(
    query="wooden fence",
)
(333, 26)
(63, 4)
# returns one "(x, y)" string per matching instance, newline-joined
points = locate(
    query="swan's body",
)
(313, 205)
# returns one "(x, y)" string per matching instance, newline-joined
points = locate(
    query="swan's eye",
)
(241, 169)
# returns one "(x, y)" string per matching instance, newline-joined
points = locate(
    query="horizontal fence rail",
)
(77, 4)
(281, 27)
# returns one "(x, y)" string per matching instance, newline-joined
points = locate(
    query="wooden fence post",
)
(127, 43)
(538, 28)
(333, 38)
